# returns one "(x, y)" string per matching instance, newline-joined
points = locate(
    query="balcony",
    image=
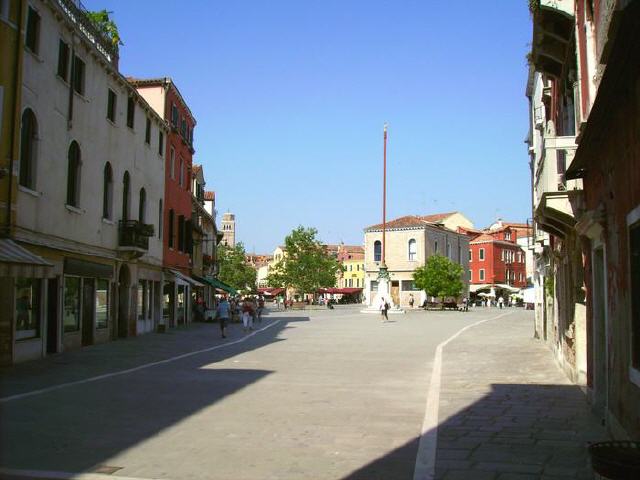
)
(553, 31)
(554, 212)
(133, 237)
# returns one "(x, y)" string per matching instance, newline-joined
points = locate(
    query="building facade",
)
(80, 119)
(410, 240)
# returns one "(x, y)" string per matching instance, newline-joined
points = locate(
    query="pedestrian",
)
(247, 315)
(465, 304)
(500, 302)
(260, 308)
(411, 300)
(222, 312)
(384, 307)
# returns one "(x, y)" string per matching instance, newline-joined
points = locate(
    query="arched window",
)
(73, 175)
(107, 195)
(413, 250)
(126, 196)
(377, 251)
(28, 144)
(142, 206)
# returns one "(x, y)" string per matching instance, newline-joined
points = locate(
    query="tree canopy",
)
(105, 25)
(307, 266)
(233, 268)
(440, 277)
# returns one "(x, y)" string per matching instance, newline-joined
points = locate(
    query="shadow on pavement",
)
(525, 431)
(79, 427)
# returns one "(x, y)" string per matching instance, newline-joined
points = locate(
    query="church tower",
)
(229, 229)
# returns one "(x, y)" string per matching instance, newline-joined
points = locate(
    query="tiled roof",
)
(437, 217)
(485, 237)
(409, 221)
(209, 195)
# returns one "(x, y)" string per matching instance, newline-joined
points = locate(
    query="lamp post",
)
(384, 273)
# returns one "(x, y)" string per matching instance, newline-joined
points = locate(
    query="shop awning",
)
(16, 261)
(270, 292)
(214, 282)
(344, 291)
(181, 278)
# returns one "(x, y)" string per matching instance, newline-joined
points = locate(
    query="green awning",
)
(214, 282)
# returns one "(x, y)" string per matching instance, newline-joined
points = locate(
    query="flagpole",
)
(384, 196)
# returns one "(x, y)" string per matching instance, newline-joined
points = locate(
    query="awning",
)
(214, 282)
(477, 288)
(270, 292)
(17, 261)
(184, 279)
(344, 291)
(508, 288)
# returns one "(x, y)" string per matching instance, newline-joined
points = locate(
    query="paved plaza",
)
(321, 394)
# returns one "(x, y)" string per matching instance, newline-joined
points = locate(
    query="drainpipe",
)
(16, 113)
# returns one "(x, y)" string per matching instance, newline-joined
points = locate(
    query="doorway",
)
(599, 334)
(88, 298)
(52, 315)
(395, 292)
(124, 284)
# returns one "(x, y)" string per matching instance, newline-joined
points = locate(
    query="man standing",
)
(222, 312)
(384, 306)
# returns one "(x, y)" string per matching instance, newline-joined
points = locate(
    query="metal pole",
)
(384, 196)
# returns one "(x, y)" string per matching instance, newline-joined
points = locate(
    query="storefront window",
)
(142, 291)
(71, 314)
(102, 303)
(180, 303)
(27, 308)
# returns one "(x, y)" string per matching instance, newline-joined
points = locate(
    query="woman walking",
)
(247, 315)
(384, 307)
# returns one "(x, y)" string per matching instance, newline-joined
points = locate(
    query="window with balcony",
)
(377, 251)
(28, 149)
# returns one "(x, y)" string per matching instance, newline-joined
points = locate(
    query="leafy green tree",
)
(106, 26)
(307, 266)
(440, 277)
(233, 268)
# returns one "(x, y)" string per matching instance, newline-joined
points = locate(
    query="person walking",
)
(260, 309)
(384, 307)
(247, 315)
(411, 300)
(500, 302)
(222, 312)
(465, 304)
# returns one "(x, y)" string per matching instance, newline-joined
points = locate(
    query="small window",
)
(470, 255)
(78, 75)
(481, 254)
(147, 132)
(111, 105)
(130, 112)
(435, 247)
(160, 143)
(448, 250)
(171, 227)
(32, 35)
(102, 303)
(174, 115)
(377, 251)
(482, 274)
(73, 175)
(63, 60)
(413, 250)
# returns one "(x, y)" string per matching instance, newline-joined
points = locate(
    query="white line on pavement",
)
(426, 457)
(130, 370)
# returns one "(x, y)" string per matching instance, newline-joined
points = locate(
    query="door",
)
(395, 292)
(88, 309)
(52, 315)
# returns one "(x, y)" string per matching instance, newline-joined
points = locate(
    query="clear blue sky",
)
(290, 98)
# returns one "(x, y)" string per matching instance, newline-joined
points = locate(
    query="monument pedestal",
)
(382, 293)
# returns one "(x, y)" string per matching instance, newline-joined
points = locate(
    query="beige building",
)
(229, 229)
(410, 240)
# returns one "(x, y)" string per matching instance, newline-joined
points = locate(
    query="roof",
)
(209, 195)
(485, 237)
(409, 221)
(161, 82)
(11, 252)
(437, 217)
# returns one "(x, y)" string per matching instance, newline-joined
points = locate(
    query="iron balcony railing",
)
(132, 233)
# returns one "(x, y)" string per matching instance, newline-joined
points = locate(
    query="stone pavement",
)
(507, 411)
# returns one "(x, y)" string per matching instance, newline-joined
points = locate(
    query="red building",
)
(164, 97)
(496, 260)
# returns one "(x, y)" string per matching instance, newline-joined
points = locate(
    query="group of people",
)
(249, 309)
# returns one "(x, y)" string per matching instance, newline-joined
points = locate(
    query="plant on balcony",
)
(105, 25)
(146, 229)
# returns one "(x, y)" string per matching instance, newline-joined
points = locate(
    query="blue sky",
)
(291, 96)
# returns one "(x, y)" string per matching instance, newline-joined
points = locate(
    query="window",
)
(470, 275)
(181, 242)
(174, 115)
(107, 195)
(160, 143)
(73, 175)
(413, 250)
(351, 282)
(470, 255)
(32, 35)
(142, 206)
(71, 314)
(435, 247)
(28, 149)
(160, 214)
(181, 172)
(183, 128)
(377, 251)
(147, 132)
(102, 303)
(77, 70)
(634, 269)
(482, 274)
(448, 250)
(130, 112)
(171, 222)
(63, 60)
(503, 255)
(408, 286)
(4, 9)
(481, 254)
(27, 308)
(143, 295)
(126, 195)
(172, 164)
(111, 105)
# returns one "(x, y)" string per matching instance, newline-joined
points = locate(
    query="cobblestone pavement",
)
(507, 411)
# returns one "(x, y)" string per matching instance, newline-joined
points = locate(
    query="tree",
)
(233, 268)
(440, 277)
(105, 26)
(307, 266)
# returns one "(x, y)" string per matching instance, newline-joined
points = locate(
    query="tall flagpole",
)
(384, 196)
